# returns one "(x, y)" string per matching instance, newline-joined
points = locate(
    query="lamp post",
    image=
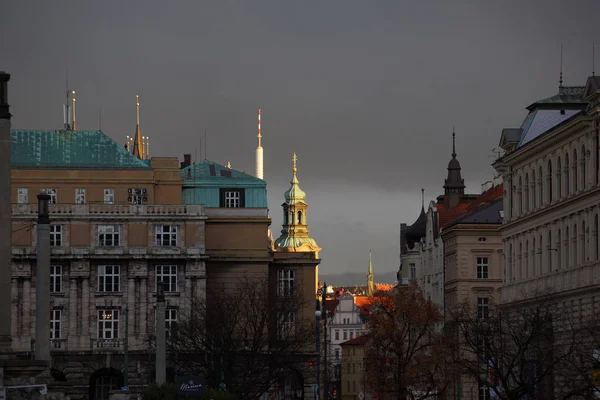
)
(325, 344)
(318, 317)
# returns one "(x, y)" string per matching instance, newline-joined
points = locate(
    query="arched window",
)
(104, 385)
(575, 178)
(549, 267)
(567, 244)
(567, 186)
(300, 217)
(521, 274)
(541, 187)
(583, 240)
(574, 244)
(521, 195)
(526, 268)
(285, 217)
(558, 179)
(596, 244)
(510, 264)
(549, 177)
(559, 251)
(534, 197)
(583, 169)
(526, 192)
(540, 259)
(533, 263)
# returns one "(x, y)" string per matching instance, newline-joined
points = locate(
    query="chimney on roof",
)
(187, 161)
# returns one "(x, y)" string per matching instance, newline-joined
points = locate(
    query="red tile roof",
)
(449, 215)
(361, 340)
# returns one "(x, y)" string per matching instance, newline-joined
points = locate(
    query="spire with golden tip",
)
(370, 278)
(74, 125)
(138, 144)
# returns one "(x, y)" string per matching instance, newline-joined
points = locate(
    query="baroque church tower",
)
(294, 235)
(454, 185)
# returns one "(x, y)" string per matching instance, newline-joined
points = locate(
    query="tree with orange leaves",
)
(405, 355)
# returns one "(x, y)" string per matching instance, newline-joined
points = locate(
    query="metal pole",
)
(325, 344)
(161, 373)
(318, 315)
(126, 357)
(42, 281)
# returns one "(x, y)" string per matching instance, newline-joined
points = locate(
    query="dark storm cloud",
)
(365, 92)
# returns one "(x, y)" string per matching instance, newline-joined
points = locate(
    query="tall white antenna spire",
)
(259, 152)
(66, 113)
(74, 123)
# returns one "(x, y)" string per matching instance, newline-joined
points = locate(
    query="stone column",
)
(42, 282)
(72, 309)
(144, 307)
(131, 305)
(5, 218)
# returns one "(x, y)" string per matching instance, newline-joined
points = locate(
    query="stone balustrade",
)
(125, 210)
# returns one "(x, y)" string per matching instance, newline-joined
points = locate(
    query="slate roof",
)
(62, 149)
(572, 95)
(489, 214)
(540, 121)
(209, 173)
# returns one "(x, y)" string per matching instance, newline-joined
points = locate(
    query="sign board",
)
(361, 395)
(2, 394)
(191, 385)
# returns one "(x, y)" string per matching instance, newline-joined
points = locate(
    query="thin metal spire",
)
(593, 59)
(205, 145)
(560, 82)
(453, 143)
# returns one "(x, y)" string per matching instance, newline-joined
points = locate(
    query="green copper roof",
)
(207, 173)
(69, 149)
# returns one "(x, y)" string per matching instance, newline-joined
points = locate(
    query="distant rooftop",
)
(65, 149)
(208, 173)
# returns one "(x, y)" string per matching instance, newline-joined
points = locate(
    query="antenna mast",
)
(66, 114)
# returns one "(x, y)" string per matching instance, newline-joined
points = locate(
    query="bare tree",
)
(406, 357)
(244, 340)
(518, 353)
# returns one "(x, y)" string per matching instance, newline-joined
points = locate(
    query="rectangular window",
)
(109, 277)
(79, 196)
(286, 282)
(337, 354)
(345, 334)
(55, 278)
(56, 235)
(231, 198)
(109, 235)
(108, 324)
(109, 196)
(166, 235)
(137, 196)
(170, 321)
(337, 334)
(352, 334)
(55, 315)
(23, 195)
(52, 193)
(483, 307)
(482, 268)
(412, 272)
(286, 325)
(167, 274)
(484, 392)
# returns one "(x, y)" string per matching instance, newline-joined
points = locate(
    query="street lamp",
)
(318, 317)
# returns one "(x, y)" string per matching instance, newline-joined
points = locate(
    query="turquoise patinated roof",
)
(207, 173)
(69, 149)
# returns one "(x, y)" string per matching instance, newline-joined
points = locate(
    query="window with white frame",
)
(286, 280)
(109, 196)
(167, 274)
(166, 235)
(55, 278)
(109, 277)
(484, 392)
(55, 317)
(109, 235)
(412, 272)
(232, 199)
(52, 194)
(483, 307)
(79, 196)
(482, 268)
(286, 324)
(55, 235)
(23, 195)
(108, 324)
(170, 321)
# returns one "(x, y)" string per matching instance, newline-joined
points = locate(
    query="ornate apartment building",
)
(551, 172)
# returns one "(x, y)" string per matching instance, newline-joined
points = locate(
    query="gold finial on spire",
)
(137, 105)
(228, 165)
(74, 126)
(295, 159)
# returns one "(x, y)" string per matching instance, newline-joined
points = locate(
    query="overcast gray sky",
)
(365, 92)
